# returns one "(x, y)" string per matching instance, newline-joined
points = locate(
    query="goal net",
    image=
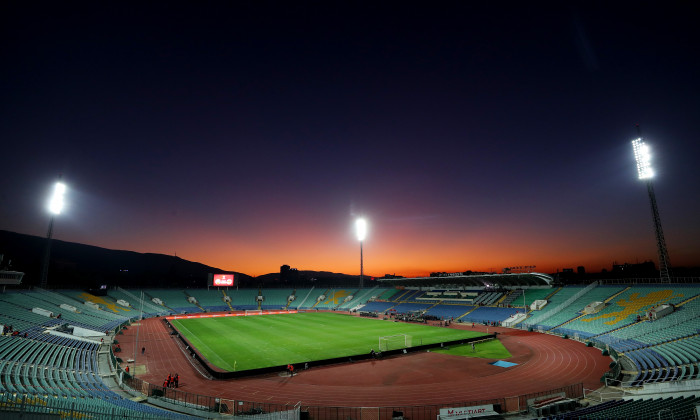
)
(395, 342)
(253, 312)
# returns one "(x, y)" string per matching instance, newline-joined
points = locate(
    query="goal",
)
(395, 342)
(253, 312)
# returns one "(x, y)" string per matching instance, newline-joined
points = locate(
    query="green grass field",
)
(253, 342)
(490, 349)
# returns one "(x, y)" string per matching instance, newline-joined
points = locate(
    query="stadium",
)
(456, 346)
(242, 135)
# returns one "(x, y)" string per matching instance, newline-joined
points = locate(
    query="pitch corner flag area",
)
(241, 343)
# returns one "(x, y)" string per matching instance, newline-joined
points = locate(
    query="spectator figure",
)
(143, 350)
(177, 380)
(473, 348)
(126, 369)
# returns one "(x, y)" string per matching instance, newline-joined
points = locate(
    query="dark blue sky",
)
(246, 135)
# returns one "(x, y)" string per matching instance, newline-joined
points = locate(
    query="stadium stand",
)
(55, 373)
(308, 298)
(88, 318)
(212, 299)
(275, 298)
(488, 315)
(149, 307)
(52, 374)
(175, 300)
(388, 294)
(361, 296)
(449, 311)
(242, 299)
(377, 306)
(639, 409)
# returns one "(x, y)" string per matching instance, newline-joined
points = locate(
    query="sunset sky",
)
(250, 134)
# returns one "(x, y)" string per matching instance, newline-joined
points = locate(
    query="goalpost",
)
(253, 312)
(395, 342)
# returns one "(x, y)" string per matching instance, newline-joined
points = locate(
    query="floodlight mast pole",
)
(664, 263)
(55, 207)
(645, 172)
(362, 268)
(361, 230)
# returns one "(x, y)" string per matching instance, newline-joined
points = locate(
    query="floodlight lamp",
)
(642, 154)
(361, 229)
(56, 203)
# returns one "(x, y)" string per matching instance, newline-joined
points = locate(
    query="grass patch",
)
(253, 342)
(490, 349)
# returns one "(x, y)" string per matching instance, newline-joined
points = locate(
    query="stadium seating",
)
(149, 307)
(48, 373)
(557, 299)
(362, 296)
(89, 318)
(275, 298)
(308, 298)
(485, 314)
(641, 409)
(388, 294)
(448, 311)
(377, 306)
(211, 299)
(335, 297)
(173, 299)
(243, 298)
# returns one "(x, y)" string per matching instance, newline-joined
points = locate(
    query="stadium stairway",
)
(319, 301)
(223, 292)
(616, 329)
(196, 302)
(150, 297)
(466, 313)
(687, 301)
(289, 302)
(608, 300)
(400, 297)
(305, 297)
(502, 298)
(434, 305)
(564, 323)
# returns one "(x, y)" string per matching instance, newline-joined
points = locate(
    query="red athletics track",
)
(544, 362)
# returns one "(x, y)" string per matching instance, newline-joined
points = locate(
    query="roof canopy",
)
(474, 280)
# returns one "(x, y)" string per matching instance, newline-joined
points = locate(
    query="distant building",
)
(288, 274)
(645, 269)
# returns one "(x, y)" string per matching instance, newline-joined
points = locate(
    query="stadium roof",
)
(474, 280)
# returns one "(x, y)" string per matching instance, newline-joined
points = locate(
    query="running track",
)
(544, 362)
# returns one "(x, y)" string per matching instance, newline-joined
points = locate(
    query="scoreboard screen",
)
(222, 280)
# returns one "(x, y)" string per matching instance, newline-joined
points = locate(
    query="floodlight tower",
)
(361, 230)
(642, 155)
(55, 207)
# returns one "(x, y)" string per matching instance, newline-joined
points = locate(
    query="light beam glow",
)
(361, 229)
(642, 154)
(56, 203)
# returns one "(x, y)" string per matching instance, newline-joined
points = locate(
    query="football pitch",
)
(253, 342)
